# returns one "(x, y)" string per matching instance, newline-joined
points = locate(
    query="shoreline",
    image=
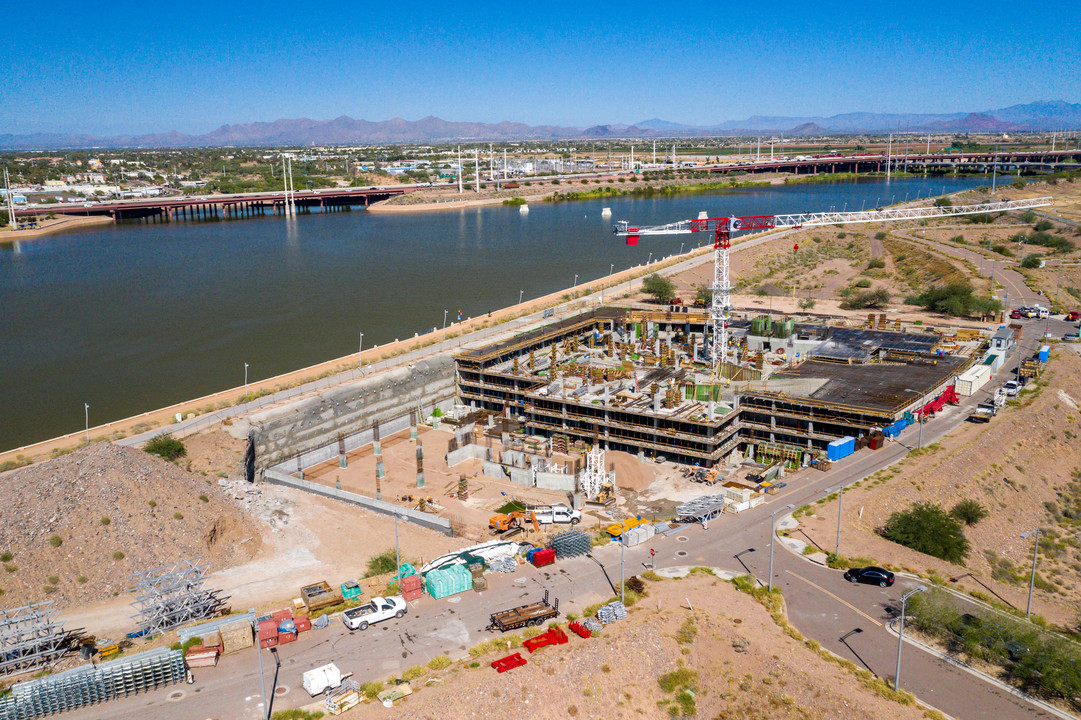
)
(56, 226)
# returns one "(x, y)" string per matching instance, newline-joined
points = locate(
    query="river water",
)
(130, 318)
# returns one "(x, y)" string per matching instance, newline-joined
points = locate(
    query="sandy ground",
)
(1022, 467)
(735, 658)
(60, 224)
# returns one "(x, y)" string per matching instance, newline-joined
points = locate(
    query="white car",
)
(1012, 387)
(378, 610)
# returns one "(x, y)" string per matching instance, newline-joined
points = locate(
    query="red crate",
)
(286, 638)
(282, 615)
(510, 662)
(304, 623)
(411, 595)
(411, 583)
(544, 557)
(268, 629)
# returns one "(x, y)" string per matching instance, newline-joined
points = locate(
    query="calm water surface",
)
(129, 318)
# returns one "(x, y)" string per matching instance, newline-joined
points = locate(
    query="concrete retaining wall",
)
(466, 452)
(431, 522)
(556, 481)
(493, 469)
(312, 425)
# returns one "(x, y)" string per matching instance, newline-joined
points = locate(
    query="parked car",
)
(1074, 337)
(870, 576)
(1073, 315)
(1012, 387)
(1016, 314)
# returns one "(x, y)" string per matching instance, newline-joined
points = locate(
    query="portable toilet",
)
(1045, 353)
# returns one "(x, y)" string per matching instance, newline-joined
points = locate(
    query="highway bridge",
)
(239, 205)
(1028, 162)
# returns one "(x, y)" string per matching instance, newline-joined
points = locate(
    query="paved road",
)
(820, 604)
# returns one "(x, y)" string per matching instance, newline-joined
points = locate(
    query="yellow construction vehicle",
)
(504, 522)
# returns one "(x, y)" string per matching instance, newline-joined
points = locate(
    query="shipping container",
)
(971, 380)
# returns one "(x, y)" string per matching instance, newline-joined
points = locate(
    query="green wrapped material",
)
(450, 580)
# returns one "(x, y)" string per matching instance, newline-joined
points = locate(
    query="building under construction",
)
(638, 381)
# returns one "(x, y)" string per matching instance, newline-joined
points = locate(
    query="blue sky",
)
(112, 68)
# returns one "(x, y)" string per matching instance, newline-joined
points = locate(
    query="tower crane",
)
(723, 228)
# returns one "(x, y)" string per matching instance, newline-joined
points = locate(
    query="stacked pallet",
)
(412, 587)
(611, 612)
(200, 656)
(570, 543)
(235, 636)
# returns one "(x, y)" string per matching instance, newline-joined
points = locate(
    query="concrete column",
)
(343, 461)
(413, 425)
(420, 465)
(300, 469)
(379, 469)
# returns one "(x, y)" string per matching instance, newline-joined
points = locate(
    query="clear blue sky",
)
(110, 68)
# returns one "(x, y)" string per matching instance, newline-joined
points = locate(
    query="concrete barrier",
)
(431, 522)
(467, 452)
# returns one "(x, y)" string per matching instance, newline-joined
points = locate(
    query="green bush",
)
(55, 541)
(105, 521)
(981, 218)
(1002, 250)
(166, 447)
(381, 564)
(863, 283)
(876, 263)
(927, 528)
(1031, 261)
(439, 662)
(969, 511)
(662, 289)
(1019, 183)
(1042, 225)
(943, 202)
(6, 557)
(178, 516)
(956, 299)
(880, 235)
(873, 299)
(118, 555)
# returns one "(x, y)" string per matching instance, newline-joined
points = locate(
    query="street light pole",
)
(262, 679)
(520, 294)
(86, 411)
(444, 324)
(245, 377)
(622, 583)
(901, 632)
(360, 352)
(575, 281)
(772, 537)
(1032, 579)
(397, 555)
(840, 504)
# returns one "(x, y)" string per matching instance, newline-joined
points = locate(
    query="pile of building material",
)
(611, 612)
(450, 580)
(592, 625)
(506, 565)
(570, 543)
(412, 587)
(638, 535)
(479, 582)
(702, 508)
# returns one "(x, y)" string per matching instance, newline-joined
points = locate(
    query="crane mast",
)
(722, 229)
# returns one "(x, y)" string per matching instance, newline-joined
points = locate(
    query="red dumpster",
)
(544, 557)
(268, 634)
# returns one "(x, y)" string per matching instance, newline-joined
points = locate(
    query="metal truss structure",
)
(32, 637)
(172, 595)
(722, 229)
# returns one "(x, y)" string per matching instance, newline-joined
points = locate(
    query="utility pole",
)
(901, 632)
(994, 171)
(460, 168)
(476, 166)
(1032, 579)
(654, 152)
(758, 157)
(771, 149)
(889, 154)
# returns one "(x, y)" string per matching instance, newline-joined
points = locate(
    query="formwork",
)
(172, 595)
(31, 637)
(92, 684)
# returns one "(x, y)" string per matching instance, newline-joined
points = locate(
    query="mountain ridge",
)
(345, 130)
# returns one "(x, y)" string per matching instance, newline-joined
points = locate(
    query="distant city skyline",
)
(191, 67)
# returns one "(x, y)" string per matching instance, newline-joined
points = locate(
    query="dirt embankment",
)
(74, 528)
(1023, 468)
(727, 651)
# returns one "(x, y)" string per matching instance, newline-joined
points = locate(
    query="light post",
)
(520, 294)
(575, 281)
(772, 537)
(650, 259)
(919, 444)
(86, 411)
(611, 268)
(262, 679)
(681, 248)
(840, 503)
(397, 554)
(901, 632)
(1032, 580)
(444, 324)
(622, 583)
(274, 684)
(245, 377)
(360, 352)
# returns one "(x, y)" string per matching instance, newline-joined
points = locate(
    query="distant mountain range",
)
(344, 130)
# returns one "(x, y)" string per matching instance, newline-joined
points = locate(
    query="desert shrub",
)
(943, 202)
(1031, 261)
(957, 299)
(439, 662)
(1019, 183)
(880, 235)
(981, 218)
(6, 557)
(166, 447)
(178, 516)
(105, 521)
(927, 528)
(876, 263)
(204, 498)
(1042, 225)
(118, 555)
(969, 511)
(868, 299)
(662, 289)
(296, 714)
(381, 564)
(55, 541)
(863, 283)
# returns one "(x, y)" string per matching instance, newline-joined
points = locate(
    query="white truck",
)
(378, 610)
(560, 514)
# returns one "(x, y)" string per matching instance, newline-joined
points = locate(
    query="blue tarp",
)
(892, 431)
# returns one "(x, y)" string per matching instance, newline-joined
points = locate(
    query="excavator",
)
(508, 521)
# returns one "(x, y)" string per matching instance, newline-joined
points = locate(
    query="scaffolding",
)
(32, 637)
(172, 595)
(92, 684)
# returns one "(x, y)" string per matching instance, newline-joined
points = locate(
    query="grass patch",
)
(687, 632)
(381, 564)
(439, 662)
(496, 644)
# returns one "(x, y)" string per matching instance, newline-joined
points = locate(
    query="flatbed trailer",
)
(529, 615)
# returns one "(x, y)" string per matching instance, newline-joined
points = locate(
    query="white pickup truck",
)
(560, 514)
(378, 610)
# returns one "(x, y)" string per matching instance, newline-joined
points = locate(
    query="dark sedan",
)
(870, 575)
